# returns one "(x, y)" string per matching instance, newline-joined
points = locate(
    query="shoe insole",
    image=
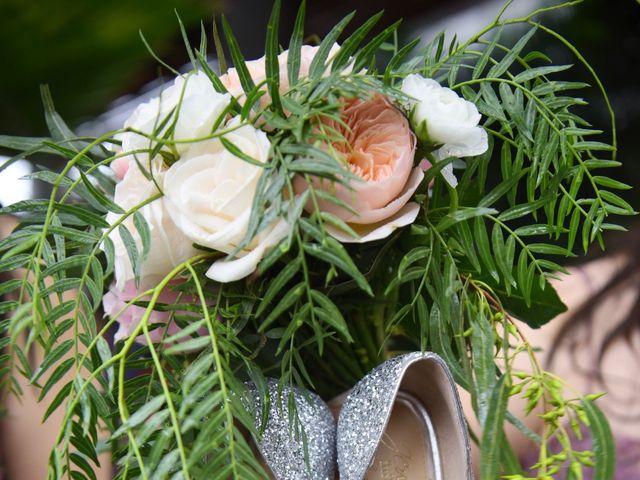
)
(403, 452)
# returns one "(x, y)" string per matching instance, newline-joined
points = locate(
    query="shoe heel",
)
(288, 456)
(404, 420)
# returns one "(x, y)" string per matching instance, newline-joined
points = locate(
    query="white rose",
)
(169, 247)
(197, 111)
(445, 118)
(209, 193)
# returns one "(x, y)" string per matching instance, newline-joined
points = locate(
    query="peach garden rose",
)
(379, 147)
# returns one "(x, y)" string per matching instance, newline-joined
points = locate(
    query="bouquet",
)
(300, 219)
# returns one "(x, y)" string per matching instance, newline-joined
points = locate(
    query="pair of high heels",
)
(403, 420)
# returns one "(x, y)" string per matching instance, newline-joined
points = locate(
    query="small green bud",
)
(516, 389)
(576, 470)
(592, 397)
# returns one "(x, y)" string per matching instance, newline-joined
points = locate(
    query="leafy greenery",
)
(319, 314)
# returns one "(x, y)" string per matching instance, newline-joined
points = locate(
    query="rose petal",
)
(256, 68)
(120, 166)
(379, 214)
(448, 175)
(168, 247)
(377, 231)
(200, 106)
(476, 142)
(225, 271)
(424, 164)
(128, 317)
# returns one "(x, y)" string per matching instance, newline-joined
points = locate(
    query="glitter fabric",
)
(283, 449)
(367, 409)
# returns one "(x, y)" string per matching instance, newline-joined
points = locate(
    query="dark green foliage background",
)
(88, 51)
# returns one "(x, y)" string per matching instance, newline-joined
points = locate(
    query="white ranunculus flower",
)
(195, 102)
(169, 246)
(209, 193)
(444, 118)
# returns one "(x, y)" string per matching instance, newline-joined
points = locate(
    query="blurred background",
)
(91, 55)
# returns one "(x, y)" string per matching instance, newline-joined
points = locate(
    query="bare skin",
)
(575, 358)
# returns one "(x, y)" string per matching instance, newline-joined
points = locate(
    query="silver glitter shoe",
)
(308, 455)
(404, 420)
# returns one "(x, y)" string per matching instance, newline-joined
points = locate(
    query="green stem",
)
(220, 369)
